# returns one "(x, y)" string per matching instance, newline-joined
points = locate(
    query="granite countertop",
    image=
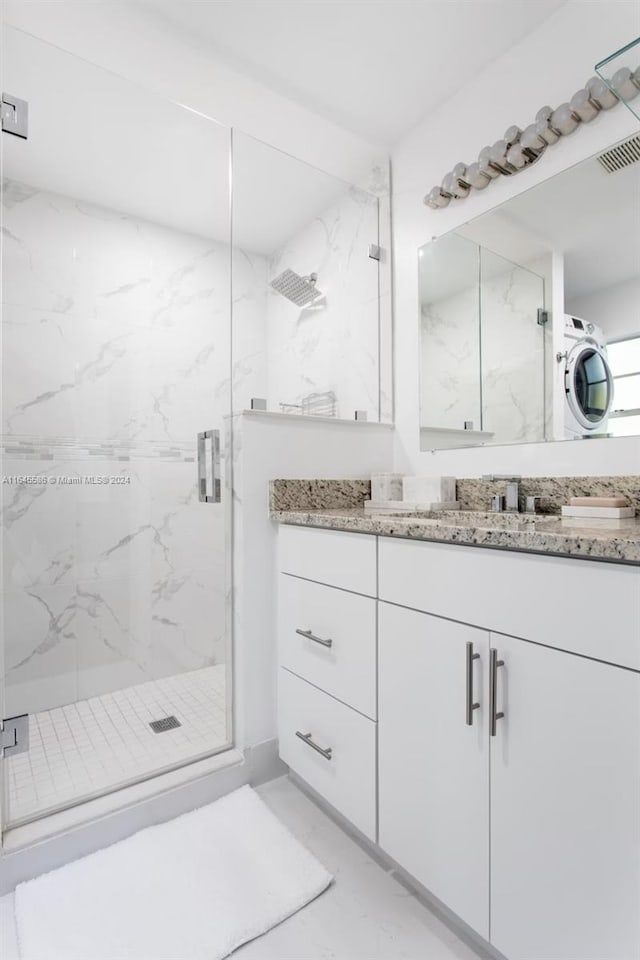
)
(614, 541)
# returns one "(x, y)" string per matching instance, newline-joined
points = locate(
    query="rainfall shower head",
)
(297, 289)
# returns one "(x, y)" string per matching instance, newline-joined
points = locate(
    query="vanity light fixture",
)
(518, 148)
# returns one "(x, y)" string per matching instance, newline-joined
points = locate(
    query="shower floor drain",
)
(167, 723)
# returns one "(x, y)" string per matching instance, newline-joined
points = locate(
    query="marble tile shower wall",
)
(513, 354)
(115, 353)
(499, 336)
(450, 344)
(332, 346)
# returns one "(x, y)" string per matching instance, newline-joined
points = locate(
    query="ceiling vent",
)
(621, 156)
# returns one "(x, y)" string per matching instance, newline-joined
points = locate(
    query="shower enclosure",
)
(115, 395)
(139, 319)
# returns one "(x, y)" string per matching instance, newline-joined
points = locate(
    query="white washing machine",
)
(588, 382)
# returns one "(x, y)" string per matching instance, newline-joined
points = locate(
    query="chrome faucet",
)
(511, 501)
(512, 494)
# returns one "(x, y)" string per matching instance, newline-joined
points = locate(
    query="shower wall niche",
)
(331, 356)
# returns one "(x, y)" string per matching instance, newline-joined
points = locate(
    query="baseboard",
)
(265, 763)
(53, 841)
(462, 930)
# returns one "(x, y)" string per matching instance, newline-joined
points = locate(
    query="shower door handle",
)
(209, 479)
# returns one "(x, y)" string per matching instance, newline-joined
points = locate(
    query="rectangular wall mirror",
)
(530, 314)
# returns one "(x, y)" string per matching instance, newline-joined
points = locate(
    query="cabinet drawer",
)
(346, 560)
(581, 606)
(347, 668)
(346, 779)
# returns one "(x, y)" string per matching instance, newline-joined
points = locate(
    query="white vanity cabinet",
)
(565, 807)
(434, 764)
(507, 724)
(327, 677)
(554, 753)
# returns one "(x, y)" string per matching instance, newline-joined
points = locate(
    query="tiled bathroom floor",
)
(366, 914)
(96, 744)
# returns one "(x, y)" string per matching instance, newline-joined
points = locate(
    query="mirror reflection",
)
(530, 314)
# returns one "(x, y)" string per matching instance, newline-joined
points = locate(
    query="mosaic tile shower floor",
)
(95, 745)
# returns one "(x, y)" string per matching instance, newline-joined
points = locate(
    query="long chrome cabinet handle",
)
(494, 663)
(203, 494)
(470, 705)
(311, 636)
(326, 753)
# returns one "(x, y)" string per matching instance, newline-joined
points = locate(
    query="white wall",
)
(548, 66)
(616, 309)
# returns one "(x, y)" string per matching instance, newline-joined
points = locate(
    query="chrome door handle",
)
(494, 663)
(470, 705)
(311, 636)
(206, 495)
(306, 737)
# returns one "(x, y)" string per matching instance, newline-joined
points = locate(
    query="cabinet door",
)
(565, 807)
(433, 767)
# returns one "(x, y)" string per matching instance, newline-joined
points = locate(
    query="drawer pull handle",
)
(470, 705)
(314, 746)
(494, 663)
(311, 636)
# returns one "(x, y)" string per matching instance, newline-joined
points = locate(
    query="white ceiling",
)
(374, 67)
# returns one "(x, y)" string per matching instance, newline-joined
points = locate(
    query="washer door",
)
(589, 385)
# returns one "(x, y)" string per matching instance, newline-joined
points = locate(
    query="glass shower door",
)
(115, 520)
(513, 349)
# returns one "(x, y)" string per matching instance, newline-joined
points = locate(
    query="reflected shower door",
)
(513, 350)
(116, 355)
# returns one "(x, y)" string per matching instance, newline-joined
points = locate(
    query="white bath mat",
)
(191, 889)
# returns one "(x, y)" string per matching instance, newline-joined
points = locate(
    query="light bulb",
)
(436, 199)
(484, 162)
(512, 135)
(448, 186)
(582, 105)
(544, 113)
(498, 157)
(478, 177)
(460, 177)
(564, 120)
(531, 142)
(516, 157)
(601, 94)
(624, 84)
(545, 132)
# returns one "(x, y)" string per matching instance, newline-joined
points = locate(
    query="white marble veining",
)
(116, 347)
(513, 351)
(331, 345)
(115, 353)
(450, 345)
(112, 327)
(484, 355)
